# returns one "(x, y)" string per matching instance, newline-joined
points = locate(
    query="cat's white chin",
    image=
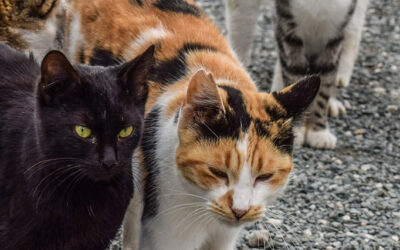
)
(232, 222)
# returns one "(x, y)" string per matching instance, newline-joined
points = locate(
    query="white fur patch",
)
(317, 23)
(145, 38)
(42, 41)
(321, 139)
(225, 81)
(242, 191)
(335, 107)
(75, 36)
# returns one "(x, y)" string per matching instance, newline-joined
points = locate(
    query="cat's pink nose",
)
(239, 213)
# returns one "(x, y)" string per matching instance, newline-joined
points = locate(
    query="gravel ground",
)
(347, 198)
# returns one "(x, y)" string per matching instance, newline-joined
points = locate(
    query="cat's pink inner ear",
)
(203, 91)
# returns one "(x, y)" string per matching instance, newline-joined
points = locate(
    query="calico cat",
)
(313, 37)
(215, 149)
(66, 147)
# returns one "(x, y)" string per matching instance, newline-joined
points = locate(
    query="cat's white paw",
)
(343, 80)
(259, 239)
(323, 139)
(336, 107)
(299, 133)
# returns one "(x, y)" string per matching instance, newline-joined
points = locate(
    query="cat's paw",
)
(259, 238)
(299, 133)
(323, 139)
(336, 108)
(343, 80)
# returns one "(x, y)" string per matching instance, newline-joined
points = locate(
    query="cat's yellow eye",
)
(83, 131)
(125, 132)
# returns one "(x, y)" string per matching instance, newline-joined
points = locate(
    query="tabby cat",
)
(313, 37)
(66, 146)
(215, 149)
(32, 25)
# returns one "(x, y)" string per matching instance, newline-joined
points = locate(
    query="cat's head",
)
(91, 117)
(235, 145)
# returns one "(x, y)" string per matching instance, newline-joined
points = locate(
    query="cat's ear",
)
(133, 76)
(57, 76)
(202, 97)
(296, 98)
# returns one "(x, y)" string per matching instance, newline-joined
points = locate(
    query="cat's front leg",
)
(241, 20)
(318, 134)
(132, 223)
(351, 44)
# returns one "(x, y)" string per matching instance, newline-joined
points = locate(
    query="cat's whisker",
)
(73, 183)
(185, 194)
(48, 176)
(60, 174)
(211, 131)
(176, 208)
(278, 232)
(189, 216)
(60, 183)
(48, 161)
(201, 215)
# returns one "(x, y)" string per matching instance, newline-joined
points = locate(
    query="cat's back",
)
(18, 73)
(127, 28)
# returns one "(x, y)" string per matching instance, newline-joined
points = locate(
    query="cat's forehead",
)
(251, 115)
(100, 91)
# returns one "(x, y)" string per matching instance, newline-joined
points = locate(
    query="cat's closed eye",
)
(264, 177)
(218, 173)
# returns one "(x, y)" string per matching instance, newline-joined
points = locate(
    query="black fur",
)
(104, 57)
(172, 70)
(311, 68)
(178, 6)
(301, 95)
(217, 125)
(138, 2)
(149, 147)
(79, 200)
(335, 42)
(284, 141)
(232, 123)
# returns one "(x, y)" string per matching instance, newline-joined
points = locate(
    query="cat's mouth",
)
(227, 217)
(102, 174)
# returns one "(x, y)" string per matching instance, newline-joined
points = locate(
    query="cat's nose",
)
(109, 158)
(239, 213)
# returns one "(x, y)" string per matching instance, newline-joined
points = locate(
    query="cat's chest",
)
(319, 20)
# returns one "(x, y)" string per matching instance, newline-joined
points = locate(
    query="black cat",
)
(67, 135)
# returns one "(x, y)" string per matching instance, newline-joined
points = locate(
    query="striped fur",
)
(215, 150)
(313, 37)
(32, 25)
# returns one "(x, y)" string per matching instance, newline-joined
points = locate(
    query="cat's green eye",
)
(125, 132)
(83, 131)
